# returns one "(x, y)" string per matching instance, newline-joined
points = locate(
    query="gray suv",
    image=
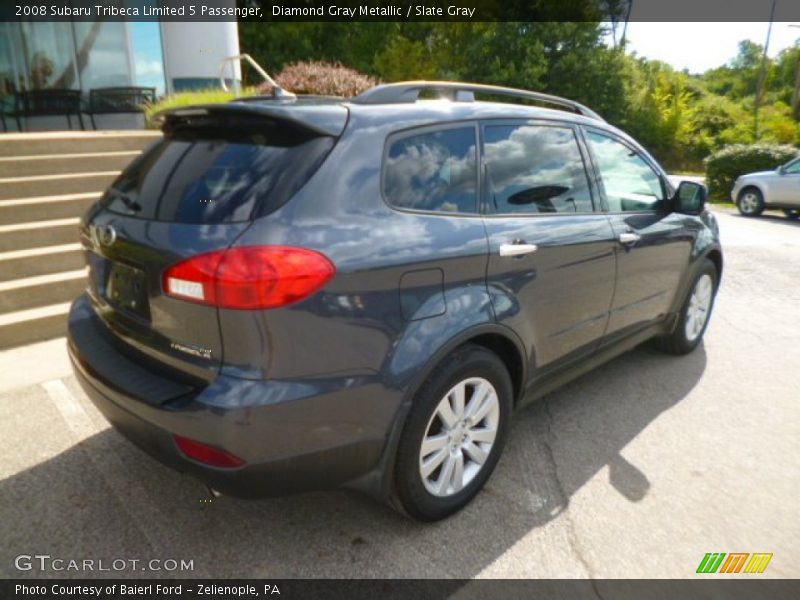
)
(288, 294)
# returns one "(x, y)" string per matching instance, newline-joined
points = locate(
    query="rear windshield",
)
(215, 175)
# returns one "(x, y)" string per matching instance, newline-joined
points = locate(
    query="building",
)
(85, 55)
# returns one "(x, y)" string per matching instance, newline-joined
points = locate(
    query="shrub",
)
(327, 79)
(725, 165)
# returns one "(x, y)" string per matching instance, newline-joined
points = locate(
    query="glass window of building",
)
(102, 56)
(48, 55)
(148, 55)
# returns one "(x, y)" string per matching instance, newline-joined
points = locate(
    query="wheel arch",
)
(712, 253)
(715, 256)
(755, 185)
(498, 339)
(509, 353)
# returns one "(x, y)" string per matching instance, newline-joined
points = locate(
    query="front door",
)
(785, 188)
(653, 243)
(551, 254)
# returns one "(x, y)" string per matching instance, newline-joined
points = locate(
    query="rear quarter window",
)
(213, 176)
(434, 170)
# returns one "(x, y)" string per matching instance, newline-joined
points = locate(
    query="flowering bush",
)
(327, 79)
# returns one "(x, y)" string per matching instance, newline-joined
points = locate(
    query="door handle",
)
(517, 249)
(629, 238)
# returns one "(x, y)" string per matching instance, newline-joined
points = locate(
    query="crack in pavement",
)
(572, 535)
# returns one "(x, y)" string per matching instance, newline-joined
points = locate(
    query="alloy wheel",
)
(459, 437)
(699, 307)
(749, 203)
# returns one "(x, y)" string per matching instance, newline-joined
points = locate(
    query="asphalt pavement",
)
(637, 469)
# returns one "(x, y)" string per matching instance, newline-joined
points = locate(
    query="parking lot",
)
(635, 470)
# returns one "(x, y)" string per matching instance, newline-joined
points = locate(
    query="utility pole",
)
(762, 78)
(615, 23)
(625, 28)
(796, 90)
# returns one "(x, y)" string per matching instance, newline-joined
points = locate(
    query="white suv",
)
(780, 188)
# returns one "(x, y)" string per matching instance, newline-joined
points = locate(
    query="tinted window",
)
(211, 177)
(433, 171)
(535, 169)
(630, 183)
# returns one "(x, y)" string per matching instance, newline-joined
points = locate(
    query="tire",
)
(436, 496)
(689, 331)
(750, 202)
(792, 213)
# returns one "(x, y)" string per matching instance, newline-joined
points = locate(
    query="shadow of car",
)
(104, 498)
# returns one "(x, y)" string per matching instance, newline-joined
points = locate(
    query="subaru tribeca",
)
(289, 294)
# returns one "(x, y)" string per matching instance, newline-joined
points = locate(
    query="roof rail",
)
(409, 91)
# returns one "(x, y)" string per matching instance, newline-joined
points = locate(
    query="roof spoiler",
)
(409, 91)
(320, 120)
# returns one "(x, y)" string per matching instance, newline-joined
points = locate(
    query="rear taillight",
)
(249, 277)
(207, 454)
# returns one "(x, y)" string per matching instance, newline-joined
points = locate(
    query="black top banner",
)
(400, 10)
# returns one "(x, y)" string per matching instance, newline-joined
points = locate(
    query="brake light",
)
(249, 277)
(207, 454)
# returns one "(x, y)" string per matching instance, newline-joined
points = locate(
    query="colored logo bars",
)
(735, 562)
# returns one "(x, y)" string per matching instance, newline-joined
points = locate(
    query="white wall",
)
(194, 50)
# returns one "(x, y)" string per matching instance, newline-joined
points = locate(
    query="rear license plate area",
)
(125, 290)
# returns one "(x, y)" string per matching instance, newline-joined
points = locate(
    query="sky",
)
(701, 46)
(149, 65)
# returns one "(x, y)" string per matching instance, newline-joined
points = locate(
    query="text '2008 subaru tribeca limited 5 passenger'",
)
(290, 294)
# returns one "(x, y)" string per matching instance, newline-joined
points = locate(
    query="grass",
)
(211, 96)
(722, 203)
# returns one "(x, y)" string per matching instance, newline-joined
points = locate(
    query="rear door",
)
(194, 192)
(551, 254)
(653, 243)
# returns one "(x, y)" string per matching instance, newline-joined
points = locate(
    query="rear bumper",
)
(293, 435)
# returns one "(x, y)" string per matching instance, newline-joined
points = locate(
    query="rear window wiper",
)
(131, 204)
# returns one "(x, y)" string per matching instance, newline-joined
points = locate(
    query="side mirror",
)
(782, 170)
(690, 198)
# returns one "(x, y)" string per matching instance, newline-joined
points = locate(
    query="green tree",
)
(681, 118)
(786, 69)
(405, 59)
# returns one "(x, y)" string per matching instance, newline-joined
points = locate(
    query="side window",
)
(535, 169)
(433, 171)
(792, 168)
(630, 183)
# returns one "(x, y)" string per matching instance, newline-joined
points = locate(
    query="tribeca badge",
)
(713, 562)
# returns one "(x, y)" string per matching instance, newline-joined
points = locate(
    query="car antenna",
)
(277, 91)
